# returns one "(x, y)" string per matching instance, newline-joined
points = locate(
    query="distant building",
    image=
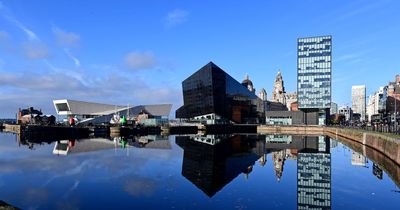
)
(290, 99)
(377, 103)
(334, 108)
(278, 93)
(314, 72)
(262, 94)
(347, 112)
(393, 93)
(248, 84)
(97, 113)
(381, 98)
(371, 108)
(211, 93)
(358, 94)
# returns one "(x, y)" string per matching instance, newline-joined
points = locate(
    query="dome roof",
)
(247, 81)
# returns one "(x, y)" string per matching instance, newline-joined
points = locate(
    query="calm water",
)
(188, 172)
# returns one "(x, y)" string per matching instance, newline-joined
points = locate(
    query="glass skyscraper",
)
(314, 74)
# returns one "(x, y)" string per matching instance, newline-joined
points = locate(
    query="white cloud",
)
(66, 39)
(38, 89)
(140, 60)
(35, 51)
(44, 82)
(73, 58)
(58, 70)
(176, 17)
(7, 14)
(31, 35)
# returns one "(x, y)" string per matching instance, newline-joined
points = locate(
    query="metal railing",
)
(381, 128)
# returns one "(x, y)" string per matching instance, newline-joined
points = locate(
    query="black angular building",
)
(213, 93)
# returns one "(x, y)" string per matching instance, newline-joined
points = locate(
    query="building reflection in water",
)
(377, 171)
(212, 166)
(358, 159)
(72, 146)
(282, 148)
(150, 142)
(212, 162)
(65, 147)
(314, 174)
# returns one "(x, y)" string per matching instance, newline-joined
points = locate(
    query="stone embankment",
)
(386, 144)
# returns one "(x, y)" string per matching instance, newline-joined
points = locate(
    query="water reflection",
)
(211, 162)
(73, 146)
(358, 159)
(380, 161)
(377, 171)
(314, 175)
(290, 171)
(210, 166)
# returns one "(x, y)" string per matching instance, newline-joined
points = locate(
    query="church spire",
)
(279, 74)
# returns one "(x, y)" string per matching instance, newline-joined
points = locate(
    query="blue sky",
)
(139, 52)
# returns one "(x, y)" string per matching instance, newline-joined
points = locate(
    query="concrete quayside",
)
(385, 144)
(49, 133)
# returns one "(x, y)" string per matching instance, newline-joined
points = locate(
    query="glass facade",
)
(212, 91)
(314, 72)
(278, 120)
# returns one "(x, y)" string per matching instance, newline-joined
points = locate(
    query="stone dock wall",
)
(387, 145)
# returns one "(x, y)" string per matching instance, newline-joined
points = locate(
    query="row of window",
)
(313, 73)
(307, 84)
(314, 47)
(316, 59)
(315, 68)
(315, 40)
(314, 54)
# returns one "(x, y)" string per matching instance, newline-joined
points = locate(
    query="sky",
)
(139, 52)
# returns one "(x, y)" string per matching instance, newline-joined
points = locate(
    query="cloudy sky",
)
(131, 52)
